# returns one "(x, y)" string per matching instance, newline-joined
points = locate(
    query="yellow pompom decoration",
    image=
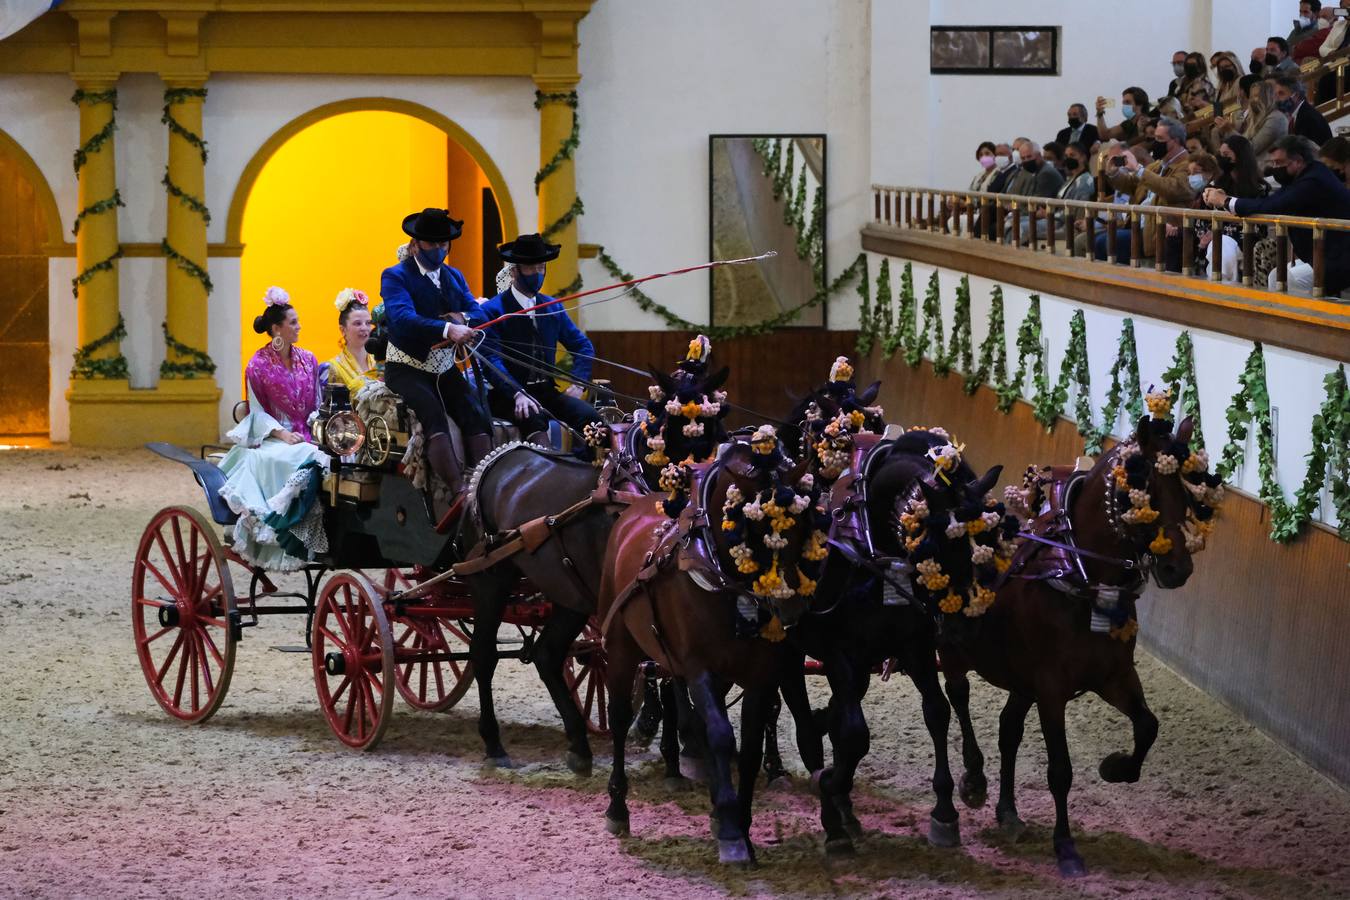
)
(805, 586)
(950, 603)
(912, 543)
(747, 566)
(1159, 403)
(856, 419)
(1127, 631)
(691, 410)
(773, 631)
(841, 370)
(1146, 515)
(657, 458)
(728, 525)
(1160, 545)
(768, 582)
(975, 526)
(815, 549)
(1002, 563)
(981, 598)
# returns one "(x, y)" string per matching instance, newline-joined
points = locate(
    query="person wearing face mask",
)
(1196, 91)
(1335, 155)
(522, 348)
(1133, 105)
(1227, 72)
(985, 155)
(1309, 189)
(1162, 182)
(1078, 185)
(1306, 24)
(1304, 119)
(1274, 59)
(1036, 177)
(1006, 167)
(1202, 170)
(428, 303)
(1080, 130)
(1178, 75)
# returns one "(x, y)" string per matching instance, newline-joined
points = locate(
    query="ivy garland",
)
(1182, 371)
(884, 309)
(105, 265)
(932, 329)
(196, 362)
(1028, 345)
(173, 97)
(565, 219)
(959, 350)
(102, 206)
(993, 366)
(907, 320)
(190, 201)
(568, 148)
(1124, 371)
(104, 134)
(114, 367)
(1072, 369)
(186, 264)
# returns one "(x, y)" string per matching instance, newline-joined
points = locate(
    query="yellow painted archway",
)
(319, 206)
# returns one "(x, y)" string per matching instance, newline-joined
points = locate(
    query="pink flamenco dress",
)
(273, 486)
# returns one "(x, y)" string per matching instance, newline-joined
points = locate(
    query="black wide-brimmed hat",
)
(432, 225)
(528, 249)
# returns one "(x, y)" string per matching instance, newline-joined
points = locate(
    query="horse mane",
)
(495, 455)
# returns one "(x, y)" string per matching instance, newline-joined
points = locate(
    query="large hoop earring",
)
(278, 343)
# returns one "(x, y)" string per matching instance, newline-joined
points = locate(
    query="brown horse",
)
(1036, 642)
(664, 596)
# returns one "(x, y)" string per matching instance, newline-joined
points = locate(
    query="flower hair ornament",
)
(758, 527)
(347, 296)
(276, 296)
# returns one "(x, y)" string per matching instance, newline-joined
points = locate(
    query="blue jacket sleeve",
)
(406, 325)
(576, 343)
(1295, 199)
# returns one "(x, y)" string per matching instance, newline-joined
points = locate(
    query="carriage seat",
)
(207, 474)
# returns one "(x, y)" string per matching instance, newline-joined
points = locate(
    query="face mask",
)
(1159, 149)
(1070, 164)
(1272, 59)
(1304, 22)
(1227, 164)
(1017, 156)
(1227, 74)
(1032, 165)
(1192, 70)
(1074, 121)
(1286, 105)
(431, 259)
(530, 284)
(1255, 66)
(1178, 69)
(1280, 174)
(1001, 161)
(986, 162)
(1127, 110)
(1197, 181)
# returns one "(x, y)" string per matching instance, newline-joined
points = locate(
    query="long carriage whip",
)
(622, 284)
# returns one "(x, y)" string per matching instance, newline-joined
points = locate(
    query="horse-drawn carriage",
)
(384, 611)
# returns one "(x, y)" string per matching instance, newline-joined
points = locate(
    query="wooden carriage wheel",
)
(584, 672)
(437, 685)
(182, 612)
(353, 654)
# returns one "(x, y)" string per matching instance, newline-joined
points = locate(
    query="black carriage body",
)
(392, 529)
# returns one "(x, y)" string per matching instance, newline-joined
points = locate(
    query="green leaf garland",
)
(1073, 369)
(1124, 374)
(1028, 347)
(173, 97)
(113, 367)
(884, 309)
(1180, 377)
(195, 362)
(959, 350)
(568, 148)
(993, 365)
(186, 264)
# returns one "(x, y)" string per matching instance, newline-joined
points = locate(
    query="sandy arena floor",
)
(102, 795)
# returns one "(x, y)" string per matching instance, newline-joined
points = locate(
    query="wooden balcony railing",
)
(977, 215)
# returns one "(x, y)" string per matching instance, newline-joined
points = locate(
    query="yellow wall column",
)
(558, 190)
(185, 266)
(96, 243)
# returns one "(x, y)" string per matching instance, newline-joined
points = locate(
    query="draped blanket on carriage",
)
(274, 486)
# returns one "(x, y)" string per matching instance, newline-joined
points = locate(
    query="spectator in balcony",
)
(1195, 85)
(1228, 71)
(1309, 46)
(1035, 178)
(1304, 119)
(1338, 35)
(1202, 170)
(1306, 23)
(1178, 73)
(1307, 188)
(984, 155)
(1079, 130)
(1275, 60)
(1005, 168)
(1163, 182)
(1079, 184)
(1133, 104)
(1262, 124)
(1336, 157)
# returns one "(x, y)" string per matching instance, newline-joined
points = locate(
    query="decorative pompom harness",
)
(831, 440)
(982, 530)
(691, 418)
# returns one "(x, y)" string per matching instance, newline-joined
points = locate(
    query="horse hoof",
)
(692, 767)
(498, 762)
(944, 834)
(1013, 827)
(1119, 768)
(580, 765)
(616, 827)
(678, 783)
(974, 790)
(851, 823)
(840, 846)
(735, 852)
(816, 777)
(1070, 863)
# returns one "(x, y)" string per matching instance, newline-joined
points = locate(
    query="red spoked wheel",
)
(353, 653)
(182, 610)
(431, 684)
(584, 672)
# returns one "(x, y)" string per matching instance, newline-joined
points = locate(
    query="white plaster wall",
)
(658, 78)
(1294, 379)
(35, 110)
(62, 333)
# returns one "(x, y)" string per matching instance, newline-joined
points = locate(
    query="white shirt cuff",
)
(1231, 205)
(445, 332)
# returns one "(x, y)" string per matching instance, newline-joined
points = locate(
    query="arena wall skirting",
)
(768, 371)
(1264, 627)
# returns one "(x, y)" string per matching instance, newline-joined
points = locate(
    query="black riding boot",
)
(477, 446)
(441, 458)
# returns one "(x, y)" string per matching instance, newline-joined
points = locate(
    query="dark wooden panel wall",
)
(1262, 626)
(767, 371)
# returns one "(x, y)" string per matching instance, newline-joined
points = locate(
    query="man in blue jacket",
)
(1307, 188)
(522, 348)
(426, 303)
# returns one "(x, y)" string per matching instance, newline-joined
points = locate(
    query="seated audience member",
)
(1133, 104)
(1338, 35)
(1335, 155)
(1304, 119)
(1240, 177)
(1079, 130)
(1079, 184)
(1178, 75)
(1053, 155)
(1194, 145)
(1036, 179)
(1005, 168)
(1276, 60)
(1228, 71)
(1202, 170)
(353, 367)
(1083, 238)
(1263, 124)
(1162, 182)
(1310, 47)
(1196, 90)
(1306, 23)
(1307, 188)
(984, 155)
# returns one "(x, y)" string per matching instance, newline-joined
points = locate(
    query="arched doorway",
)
(28, 219)
(319, 208)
